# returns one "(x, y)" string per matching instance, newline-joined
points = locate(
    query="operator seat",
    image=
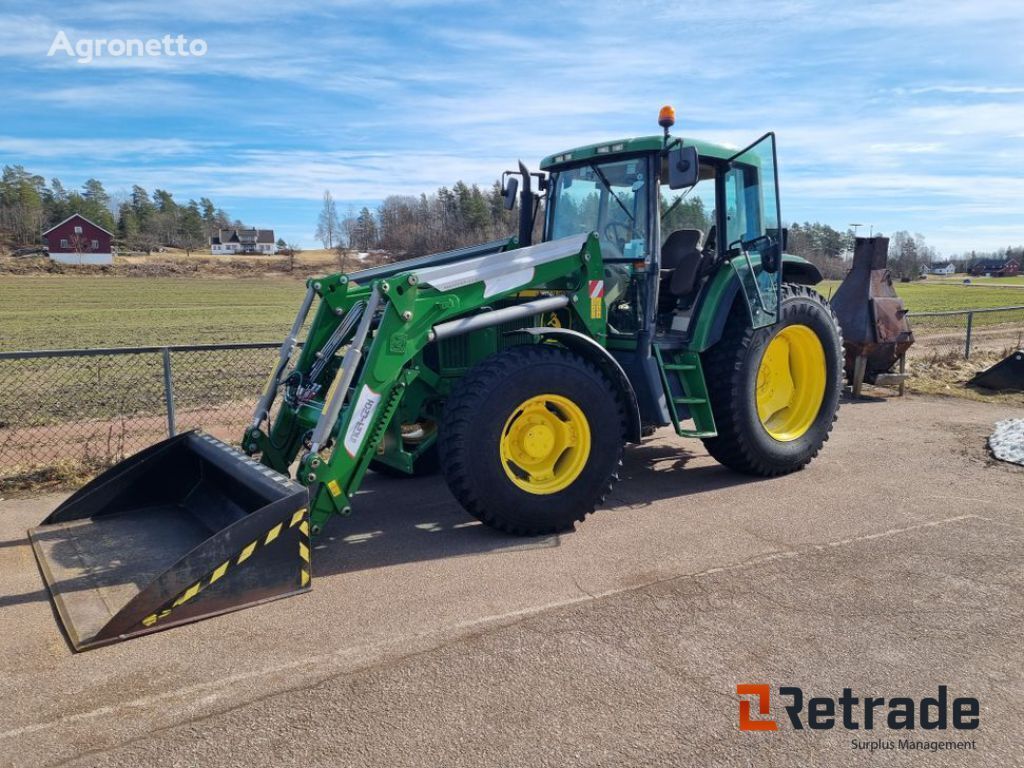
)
(680, 261)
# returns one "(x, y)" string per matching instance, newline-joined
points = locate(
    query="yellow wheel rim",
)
(545, 444)
(791, 383)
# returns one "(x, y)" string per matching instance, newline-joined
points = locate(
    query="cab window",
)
(609, 199)
(692, 208)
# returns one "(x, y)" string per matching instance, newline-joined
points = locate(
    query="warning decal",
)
(596, 298)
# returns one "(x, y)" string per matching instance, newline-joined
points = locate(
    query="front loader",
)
(659, 295)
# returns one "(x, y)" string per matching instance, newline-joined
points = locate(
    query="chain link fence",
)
(994, 330)
(66, 414)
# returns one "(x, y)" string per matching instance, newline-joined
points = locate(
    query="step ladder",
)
(683, 379)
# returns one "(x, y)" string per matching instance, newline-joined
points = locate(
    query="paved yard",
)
(892, 565)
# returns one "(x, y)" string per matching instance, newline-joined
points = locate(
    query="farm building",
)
(941, 269)
(996, 267)
(243, 241)
(76, 240)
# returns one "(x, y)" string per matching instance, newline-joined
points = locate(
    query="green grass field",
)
(94, 411)
(1018, 280)
(71, 311)
(928, 296)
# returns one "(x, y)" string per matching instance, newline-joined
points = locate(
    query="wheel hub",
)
(791, 383)
(545, 444)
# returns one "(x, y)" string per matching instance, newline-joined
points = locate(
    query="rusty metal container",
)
(876, 331)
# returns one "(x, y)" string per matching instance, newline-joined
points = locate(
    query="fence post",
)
(967, 344)
(169, 392)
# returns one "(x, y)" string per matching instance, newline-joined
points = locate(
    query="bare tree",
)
(291, 251)
(341, 251)
(328, 227)
(81, 245)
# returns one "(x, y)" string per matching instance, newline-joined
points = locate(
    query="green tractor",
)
(660, 294)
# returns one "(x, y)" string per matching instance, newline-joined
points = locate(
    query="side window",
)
(63, 243)
(692, 208)
(735, 207)
(747, 204)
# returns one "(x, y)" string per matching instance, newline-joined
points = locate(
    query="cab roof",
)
(608, 149)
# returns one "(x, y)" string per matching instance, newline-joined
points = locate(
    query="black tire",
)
(426, 464)
(475, 416)
(731, 368)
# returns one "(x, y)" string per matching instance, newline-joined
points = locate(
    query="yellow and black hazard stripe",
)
(297, 519)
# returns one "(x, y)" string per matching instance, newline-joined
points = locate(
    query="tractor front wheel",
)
(775, 390)
(531, 439)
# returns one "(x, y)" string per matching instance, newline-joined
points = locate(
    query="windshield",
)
(607, 198)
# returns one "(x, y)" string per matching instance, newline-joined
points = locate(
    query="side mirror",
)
(683, 167)
(509, 192)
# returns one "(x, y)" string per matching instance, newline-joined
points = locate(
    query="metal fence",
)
(995, 328)
(66, 414)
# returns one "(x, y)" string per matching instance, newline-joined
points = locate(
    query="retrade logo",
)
(853, 713)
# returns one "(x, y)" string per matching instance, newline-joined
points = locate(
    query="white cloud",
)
(104, 149)
(985, 90)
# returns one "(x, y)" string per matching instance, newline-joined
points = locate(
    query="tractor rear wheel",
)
(531, 441)
(775, 391)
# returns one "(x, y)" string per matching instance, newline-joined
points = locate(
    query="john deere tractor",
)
(660, 294)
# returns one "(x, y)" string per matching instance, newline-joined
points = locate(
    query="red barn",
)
(76, 240)
(996, 268)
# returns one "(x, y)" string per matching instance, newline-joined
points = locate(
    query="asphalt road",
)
(890, 566)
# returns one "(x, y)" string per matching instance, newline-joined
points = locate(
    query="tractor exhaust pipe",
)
(526, 203)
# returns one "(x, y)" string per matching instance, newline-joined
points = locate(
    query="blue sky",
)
(902, 115)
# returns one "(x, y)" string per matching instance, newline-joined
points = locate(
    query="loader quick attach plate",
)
(188, 528)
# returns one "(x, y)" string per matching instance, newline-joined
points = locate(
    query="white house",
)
(243, 241)
(942, 269)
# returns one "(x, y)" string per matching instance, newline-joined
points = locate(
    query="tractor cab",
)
(668, 212)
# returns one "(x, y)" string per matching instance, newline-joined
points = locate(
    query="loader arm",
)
(335, 435)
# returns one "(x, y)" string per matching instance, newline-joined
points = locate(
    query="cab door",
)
(754, 227)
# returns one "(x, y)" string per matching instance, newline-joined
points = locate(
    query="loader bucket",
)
(188, 528)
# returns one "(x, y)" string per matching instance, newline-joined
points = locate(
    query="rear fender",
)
(721, 292)
(587, 348)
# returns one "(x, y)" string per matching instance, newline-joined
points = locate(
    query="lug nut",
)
(407, 315)
(311, 477)
(413, 279)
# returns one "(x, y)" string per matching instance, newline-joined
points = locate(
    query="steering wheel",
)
(609, 231)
